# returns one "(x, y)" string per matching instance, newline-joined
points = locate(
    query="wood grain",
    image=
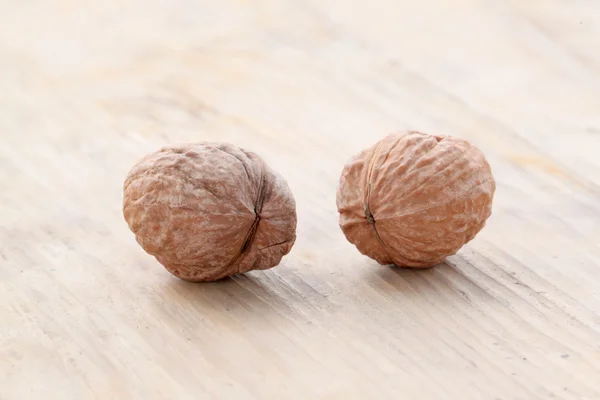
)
(87, 88)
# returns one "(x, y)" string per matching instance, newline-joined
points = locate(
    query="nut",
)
(414, 199)
(207, 211)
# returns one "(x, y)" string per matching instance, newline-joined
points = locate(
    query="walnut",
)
(207, 211)
(414, 199)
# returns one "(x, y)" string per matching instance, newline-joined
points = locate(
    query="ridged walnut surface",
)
(414, 199)
(207, 211)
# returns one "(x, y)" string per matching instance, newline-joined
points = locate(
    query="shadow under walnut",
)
(207, 211)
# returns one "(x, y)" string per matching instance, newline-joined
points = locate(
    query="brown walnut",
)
(208, 210)
(414, 199)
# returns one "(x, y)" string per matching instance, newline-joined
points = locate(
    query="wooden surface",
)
(87, 88)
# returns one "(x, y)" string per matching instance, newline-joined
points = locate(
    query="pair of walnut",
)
(208, 211)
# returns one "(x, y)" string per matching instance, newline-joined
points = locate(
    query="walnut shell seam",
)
(258, 205)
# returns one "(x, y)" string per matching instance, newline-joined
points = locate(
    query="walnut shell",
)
(414, 199)
(207, 211)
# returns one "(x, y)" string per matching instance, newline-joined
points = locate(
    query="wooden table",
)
(87, 88)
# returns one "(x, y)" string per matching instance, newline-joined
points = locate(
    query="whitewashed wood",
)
(87, 88)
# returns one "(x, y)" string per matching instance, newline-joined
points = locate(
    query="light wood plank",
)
(86, 89)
